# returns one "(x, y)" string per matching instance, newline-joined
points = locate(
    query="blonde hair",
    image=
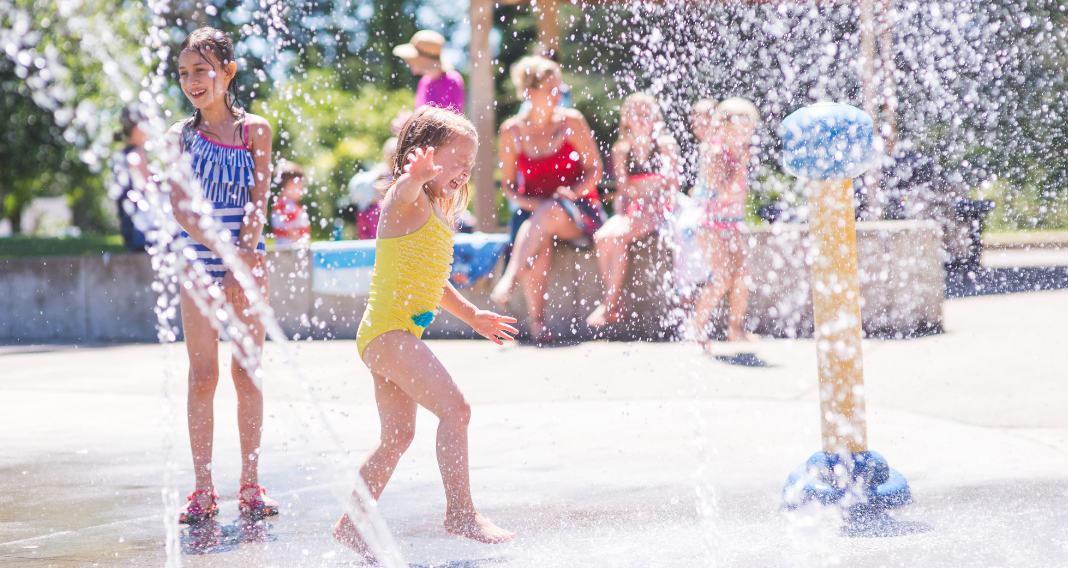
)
(432, 126)
(530, 71)
(737, 109)
(630, 106)
(704, 106)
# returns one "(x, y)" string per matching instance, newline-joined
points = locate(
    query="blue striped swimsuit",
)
(226, 175)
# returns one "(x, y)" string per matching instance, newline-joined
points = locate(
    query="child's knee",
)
(203, 373)
(399, 439)
(458, 412)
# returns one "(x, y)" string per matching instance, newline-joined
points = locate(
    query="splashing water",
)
(45, 75)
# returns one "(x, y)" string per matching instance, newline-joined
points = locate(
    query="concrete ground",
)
(592, 453)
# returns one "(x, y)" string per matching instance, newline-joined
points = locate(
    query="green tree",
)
(58, 76)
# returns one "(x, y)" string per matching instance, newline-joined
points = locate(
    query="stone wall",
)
(108, 298)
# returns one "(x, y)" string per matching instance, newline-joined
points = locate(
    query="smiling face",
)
(203, 78)
(456, 160)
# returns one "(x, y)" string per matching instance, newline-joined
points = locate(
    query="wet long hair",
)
(206, 41)
(432, 126)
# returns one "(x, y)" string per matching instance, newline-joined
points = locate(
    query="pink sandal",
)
(259, 507)
(193, 513)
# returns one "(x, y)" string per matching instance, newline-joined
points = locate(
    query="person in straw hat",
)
(440, 86)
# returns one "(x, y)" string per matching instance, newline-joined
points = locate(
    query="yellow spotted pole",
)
(836, 307)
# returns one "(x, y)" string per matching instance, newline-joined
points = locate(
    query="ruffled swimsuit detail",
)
(407, 283)
(226, 174)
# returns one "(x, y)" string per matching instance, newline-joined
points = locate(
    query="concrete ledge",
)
(902, 279)
(1026, 240)
(109, 298)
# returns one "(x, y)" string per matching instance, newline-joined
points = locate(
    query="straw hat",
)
(425, 45)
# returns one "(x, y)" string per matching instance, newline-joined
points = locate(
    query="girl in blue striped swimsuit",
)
(229, 150)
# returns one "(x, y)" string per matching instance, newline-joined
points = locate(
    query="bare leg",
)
(408, 364)
(535, 280)
(250, 396)
(521, 253)
(531, 262)
(202, 346)
(739, 299)
(396, 413)
(717, 256)
(612, 241)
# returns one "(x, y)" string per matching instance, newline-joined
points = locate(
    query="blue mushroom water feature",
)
(829, 145)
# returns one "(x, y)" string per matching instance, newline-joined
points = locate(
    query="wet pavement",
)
(590, 452)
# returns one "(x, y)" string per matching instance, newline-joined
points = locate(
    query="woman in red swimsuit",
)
(550, 167)
(646, 167)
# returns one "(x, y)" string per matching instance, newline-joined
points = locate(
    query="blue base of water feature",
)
(862, 483)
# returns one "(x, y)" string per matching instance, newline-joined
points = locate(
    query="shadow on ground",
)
(990, 281)
(213, 537)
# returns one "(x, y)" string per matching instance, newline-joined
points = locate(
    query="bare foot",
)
(739, 335)
(477, 527)
(502, 292)
(541, 333)
(345, 532)
(603, 316)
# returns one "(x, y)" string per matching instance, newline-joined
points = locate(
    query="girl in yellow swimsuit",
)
(435, 154)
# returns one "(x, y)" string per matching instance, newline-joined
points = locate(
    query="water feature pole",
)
(830, 144)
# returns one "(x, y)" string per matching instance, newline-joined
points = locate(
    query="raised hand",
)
(421, 165)
(565, 193)
(493, 326)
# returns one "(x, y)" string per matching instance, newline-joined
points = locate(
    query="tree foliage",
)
(59, 101)
(333, 133)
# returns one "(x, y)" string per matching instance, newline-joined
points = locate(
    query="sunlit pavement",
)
(589, 452)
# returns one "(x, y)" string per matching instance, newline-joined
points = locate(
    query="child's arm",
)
(418, 170)
(259, 133)
(581, 139)
(619, 169)
(507, 156)
(492, 326)
(670, 150)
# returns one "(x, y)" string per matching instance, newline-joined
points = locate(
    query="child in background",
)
(646, 167)
(691, 271)
(413, 254)
(131, 175)
(289, 220)
(366, 190)
(723, 182)
(230, 151)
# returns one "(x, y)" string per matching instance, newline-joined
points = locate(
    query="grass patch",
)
(23, 247)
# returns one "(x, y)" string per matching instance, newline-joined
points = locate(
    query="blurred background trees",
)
(981, 84)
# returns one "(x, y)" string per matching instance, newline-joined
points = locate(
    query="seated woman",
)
(646, 164)
(550, 167)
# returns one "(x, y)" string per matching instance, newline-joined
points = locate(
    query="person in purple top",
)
(440, 86)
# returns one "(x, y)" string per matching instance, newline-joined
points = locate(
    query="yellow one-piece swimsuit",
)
(408, 281)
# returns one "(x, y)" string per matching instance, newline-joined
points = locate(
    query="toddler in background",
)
(289, 220)
(722, 190)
